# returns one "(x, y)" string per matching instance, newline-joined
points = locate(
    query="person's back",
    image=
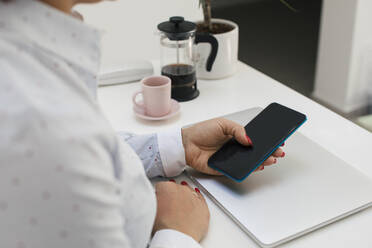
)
(58, 181)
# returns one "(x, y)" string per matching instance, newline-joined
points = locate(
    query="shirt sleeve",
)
(162, 154)
(168, 238)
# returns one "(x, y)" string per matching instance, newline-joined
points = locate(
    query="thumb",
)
(237, 131)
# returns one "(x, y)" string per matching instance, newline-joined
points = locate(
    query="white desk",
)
(249, 88)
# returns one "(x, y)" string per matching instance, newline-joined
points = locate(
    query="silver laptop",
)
(308, 189)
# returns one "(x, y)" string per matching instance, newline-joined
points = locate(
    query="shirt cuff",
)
(168, 238)
(171, 151)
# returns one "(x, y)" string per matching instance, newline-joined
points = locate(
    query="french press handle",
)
(208, 38)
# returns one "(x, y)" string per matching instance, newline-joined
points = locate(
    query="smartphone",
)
(268, 130)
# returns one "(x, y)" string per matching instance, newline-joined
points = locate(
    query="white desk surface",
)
(249, 88)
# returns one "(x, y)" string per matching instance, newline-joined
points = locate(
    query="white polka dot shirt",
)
(66, 178)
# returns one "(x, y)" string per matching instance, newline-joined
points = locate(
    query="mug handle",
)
(208, 38)
(136, 104)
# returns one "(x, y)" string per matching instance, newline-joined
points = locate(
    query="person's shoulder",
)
(45, 113)
(45, 117)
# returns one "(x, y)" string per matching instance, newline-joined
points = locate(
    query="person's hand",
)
(181, 208)
(205, 138)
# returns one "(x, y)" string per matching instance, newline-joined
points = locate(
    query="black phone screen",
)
(268, 130)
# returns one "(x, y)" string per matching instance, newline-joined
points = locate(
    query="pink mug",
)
(156, 94)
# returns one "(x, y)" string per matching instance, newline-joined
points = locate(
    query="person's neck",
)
(65, 5)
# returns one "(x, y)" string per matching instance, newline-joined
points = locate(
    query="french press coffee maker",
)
(178, 58)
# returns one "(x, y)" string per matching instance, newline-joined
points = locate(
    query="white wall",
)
(345, 52)
(361, 61)
(130, 26)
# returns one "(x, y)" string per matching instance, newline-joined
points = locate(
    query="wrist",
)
(173, 238)
(185, 139)
(184, 136)
(172, 152)
(189, 233)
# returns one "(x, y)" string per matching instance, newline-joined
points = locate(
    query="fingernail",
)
(282, 144)
(197, 190)
(249, 140)
(274, 160)
(184, 183)
(283, 154)
(172, 180)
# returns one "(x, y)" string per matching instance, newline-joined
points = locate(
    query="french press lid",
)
(177, 28)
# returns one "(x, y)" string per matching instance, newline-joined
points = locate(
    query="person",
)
(67, 179)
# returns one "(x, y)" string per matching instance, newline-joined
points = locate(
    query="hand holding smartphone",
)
(268, 130)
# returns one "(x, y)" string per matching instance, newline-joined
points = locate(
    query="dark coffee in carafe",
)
(184, 83)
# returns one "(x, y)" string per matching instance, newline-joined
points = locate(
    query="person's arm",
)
(167, 153)
(182, 217)
(162, 154)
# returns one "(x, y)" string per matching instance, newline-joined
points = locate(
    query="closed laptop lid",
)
(306, 190)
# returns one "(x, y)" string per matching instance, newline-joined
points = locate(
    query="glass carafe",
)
(177, 39)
